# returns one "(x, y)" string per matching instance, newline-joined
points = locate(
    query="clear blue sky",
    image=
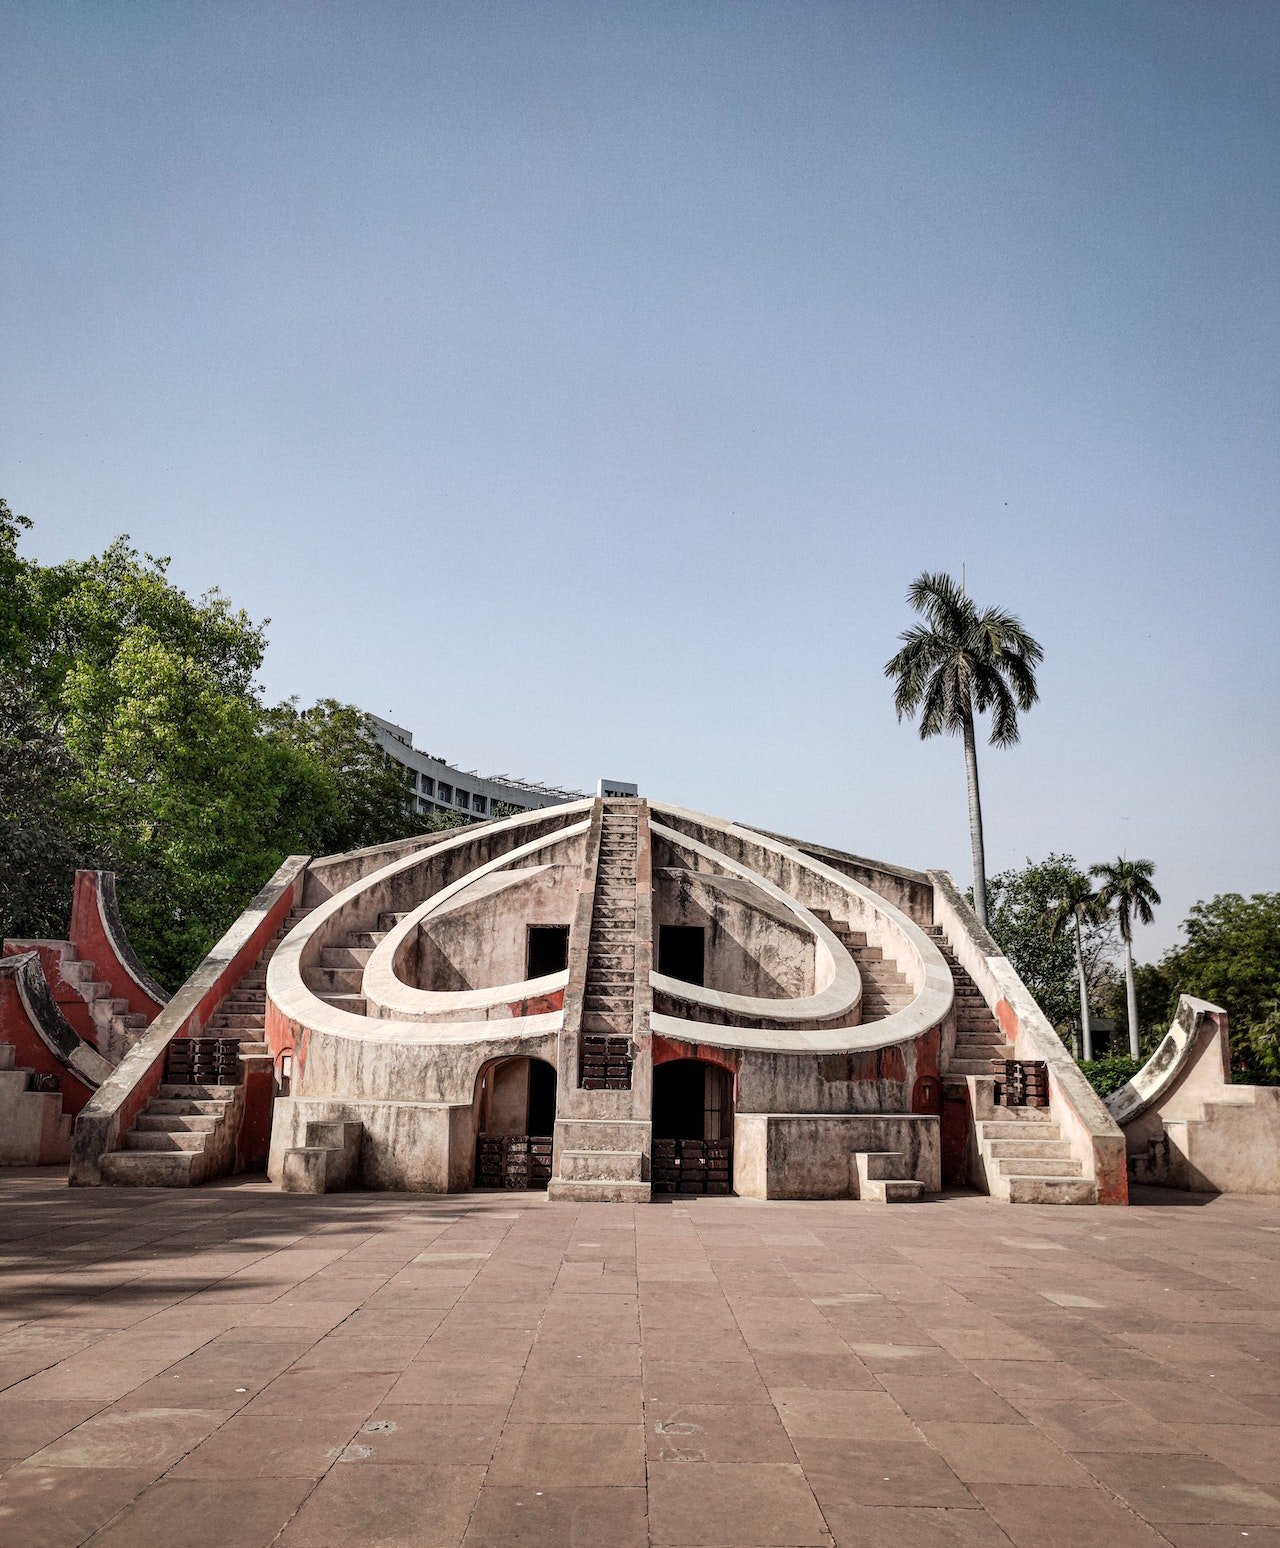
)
(582, 384)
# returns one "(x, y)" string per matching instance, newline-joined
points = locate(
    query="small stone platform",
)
(237, 1367)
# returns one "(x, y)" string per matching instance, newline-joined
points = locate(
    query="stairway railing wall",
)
(134, 1081)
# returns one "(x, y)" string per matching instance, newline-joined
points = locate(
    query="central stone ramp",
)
(603, 1127)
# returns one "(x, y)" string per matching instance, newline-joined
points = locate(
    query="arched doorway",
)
(692, 1128)
(515, 1110)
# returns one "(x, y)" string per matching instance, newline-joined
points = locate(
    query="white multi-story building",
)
(441, 787)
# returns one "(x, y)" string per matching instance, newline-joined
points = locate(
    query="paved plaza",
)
(232, 1367)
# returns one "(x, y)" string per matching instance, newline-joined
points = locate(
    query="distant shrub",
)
(1108, 1075)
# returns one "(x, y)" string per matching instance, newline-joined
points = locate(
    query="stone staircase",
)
(118, 1028)
(979, 1041)
(609, 996)
(883, 1178)
(605, 1159)
(34, 1130)
(338, 978)
(115, 1027)
(328, 1163)
(602, 1161)
(187, 1133)
(1024, 1157)
(242, 1011)
(884, 989)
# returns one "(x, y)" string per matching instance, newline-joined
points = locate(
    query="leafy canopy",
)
(1232, 958)
(133, 735)
(959, 661)
(1022, 902)
(1128, 891)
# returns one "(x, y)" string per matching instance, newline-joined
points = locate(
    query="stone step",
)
(1030, 1123)
(163, 1139)
(152, 1169)
(582, 1134)
(185, 1107)
(969, 1067)
(171, 1091)
(1000, 1149)
(175, 1123)
(355, 1003)
(345, 956)
(343, 980)
(361, 939)
(577, 1191)
(601, 1166)
(1051, 1190)
(1038, 1166)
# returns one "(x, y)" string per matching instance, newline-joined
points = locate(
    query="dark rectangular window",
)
(444, 792)
(682, 953)
(548, 950)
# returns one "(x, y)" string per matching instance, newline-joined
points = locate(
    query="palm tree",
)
(1126, 889)
(1076, 905)
(955, 665)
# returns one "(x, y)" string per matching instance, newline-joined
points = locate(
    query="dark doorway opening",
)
(548, 950)
(682, 953)
(692, 1100)
(542, 1099)
(515, 1119)
(692, 1128)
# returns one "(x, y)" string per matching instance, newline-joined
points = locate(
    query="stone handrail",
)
(1082, 1117)
(1164, 1068)
(840, 991)
(292, 1006)
(98, 933)
(133, 1082)
(884, 924)
(387, 994)
(55, 1032)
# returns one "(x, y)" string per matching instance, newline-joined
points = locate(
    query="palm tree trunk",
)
(975, 822)
(1131, 996)
(1086, 1032)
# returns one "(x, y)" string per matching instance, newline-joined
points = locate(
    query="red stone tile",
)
(733, 1503)
(524, 1517)
(198, 1514)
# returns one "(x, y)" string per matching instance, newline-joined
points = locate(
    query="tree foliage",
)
(957, 664)
(133, 735)
(1232, 958)
(1023, 902)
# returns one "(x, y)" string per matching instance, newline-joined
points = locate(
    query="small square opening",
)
(548, 950)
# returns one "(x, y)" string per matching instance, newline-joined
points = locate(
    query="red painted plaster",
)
(31, 1053)
(93, 944)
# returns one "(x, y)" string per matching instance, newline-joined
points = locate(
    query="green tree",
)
(1232, 958)
(1020, 900)
(957, 664)
(41, 842)
(1076, 903)
(366, 797)
(132, 734)
(1128, 892)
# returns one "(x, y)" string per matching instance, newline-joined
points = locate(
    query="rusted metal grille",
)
(204, 1061)
(606, 1062)
(692, 1166)
(1022, 1083)
(512, 1161)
